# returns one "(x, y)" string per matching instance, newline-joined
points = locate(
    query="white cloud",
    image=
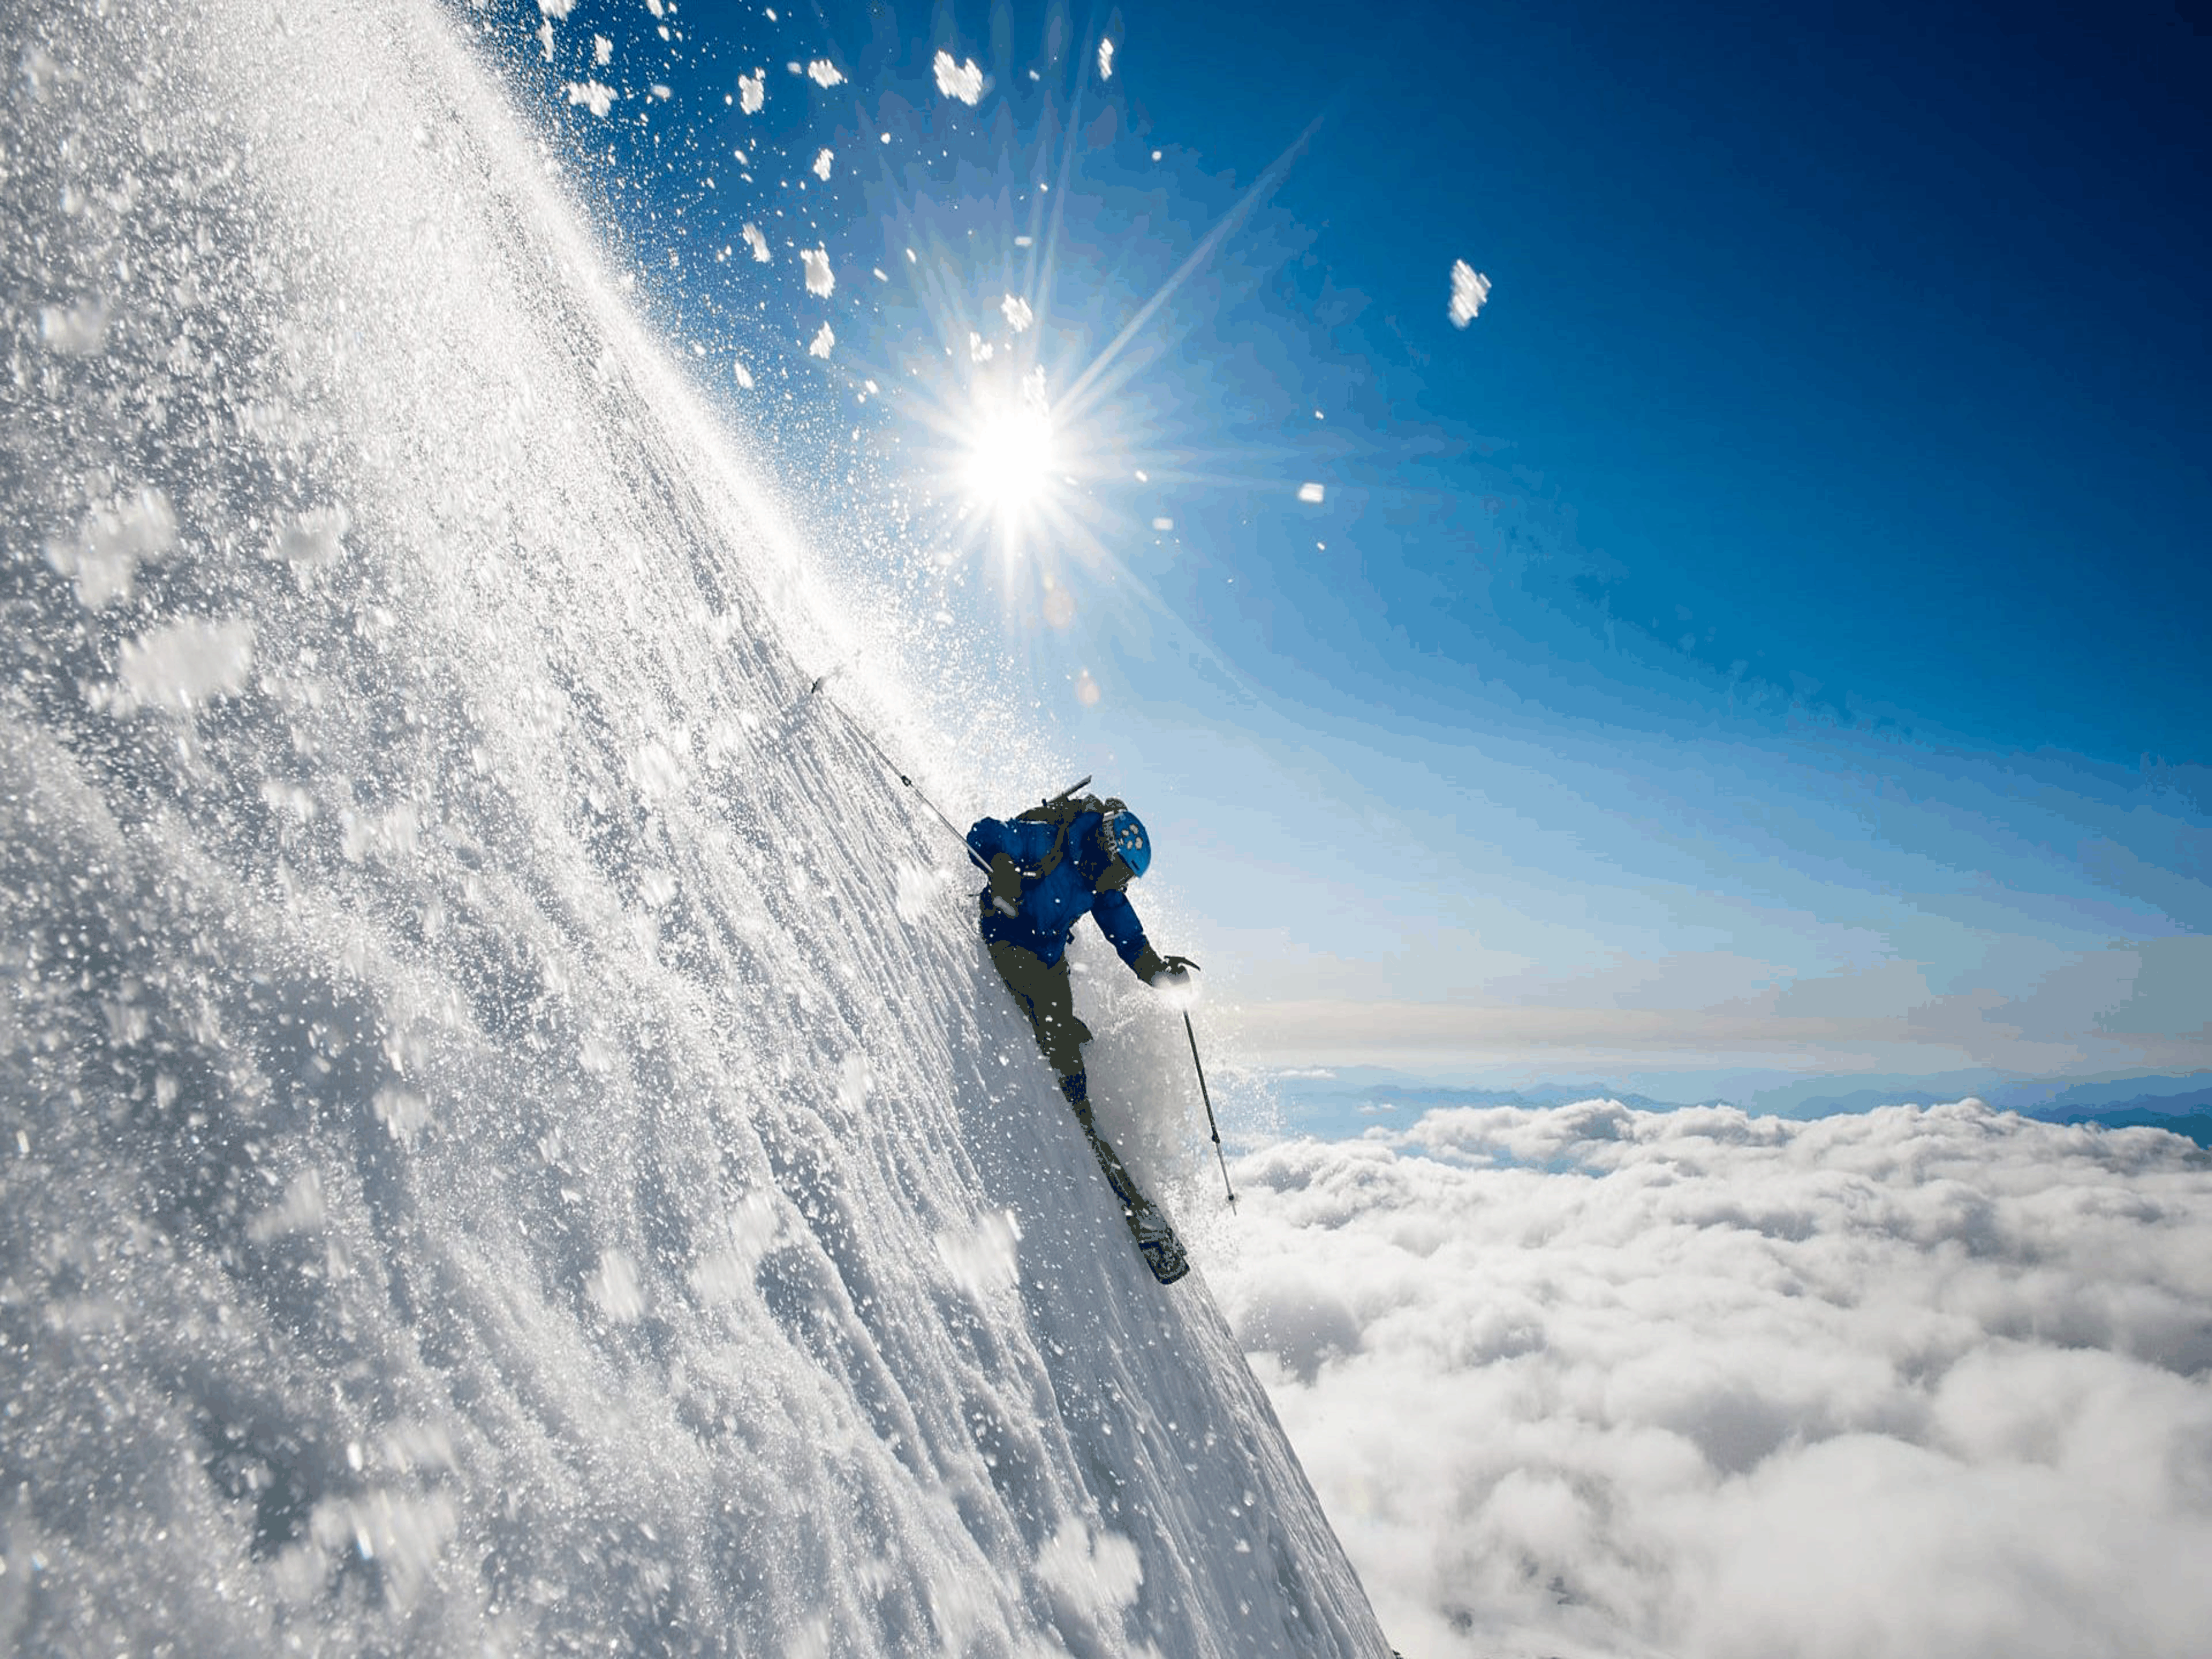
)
(823, 340)
(820, 280)
(1597, 1381)
(824, 73)
(961, 80)
(1470, 288)
(756, 242)
(752, 91)
(1017, 314)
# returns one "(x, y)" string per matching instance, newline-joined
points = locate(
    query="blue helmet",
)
(1122, 835)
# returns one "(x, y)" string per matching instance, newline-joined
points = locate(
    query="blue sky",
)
(1764, 642)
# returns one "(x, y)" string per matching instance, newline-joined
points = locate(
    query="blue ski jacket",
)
(1051, 905)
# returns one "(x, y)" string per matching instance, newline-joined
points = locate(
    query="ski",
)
(1157, 1243)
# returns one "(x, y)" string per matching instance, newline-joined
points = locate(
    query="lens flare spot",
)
(1086, 689)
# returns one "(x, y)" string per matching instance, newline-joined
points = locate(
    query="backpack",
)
(1062, 810)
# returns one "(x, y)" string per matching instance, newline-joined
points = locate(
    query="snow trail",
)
(504, 1144)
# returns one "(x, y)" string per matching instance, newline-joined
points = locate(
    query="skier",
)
(1049, 867)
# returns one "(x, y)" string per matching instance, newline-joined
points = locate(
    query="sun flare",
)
(1009, 459)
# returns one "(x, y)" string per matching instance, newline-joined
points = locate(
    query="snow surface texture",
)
(1597, 1381)
(506, 1144)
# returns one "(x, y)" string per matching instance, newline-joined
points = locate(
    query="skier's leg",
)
(1077, 1090)
(1156, 1240)
(1044, 994)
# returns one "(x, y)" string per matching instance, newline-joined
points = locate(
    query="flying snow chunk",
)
(103, 556)
(312, 541)
(1018, 315)
(301, 1211)
(752, 91)
(984, 1260)
(1164, 524)
(655, 771)
(917, 892)
(961, 80)
(751, 1231)
(824, 73)
(603, 50)
(1092, 1578)
(756, 242)
(854, 1080)
(404, 1535)
(592, 94)
(78, 331)
(819, 347)
(1311, 492)
(745, 375)
(979, 348)
(182, 665)
(1470, 288)
(1105, 60)
(616, 1288)
(819, 278)
(823, 163)
(402, 1112)
(558, 10)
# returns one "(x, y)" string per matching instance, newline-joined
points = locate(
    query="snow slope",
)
(504, 1144)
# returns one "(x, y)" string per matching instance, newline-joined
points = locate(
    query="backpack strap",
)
(1063, 812)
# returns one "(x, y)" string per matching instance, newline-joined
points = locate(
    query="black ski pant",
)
(1045, 993)
(1046, 996)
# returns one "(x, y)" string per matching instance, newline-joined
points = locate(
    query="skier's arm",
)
(1117, 919)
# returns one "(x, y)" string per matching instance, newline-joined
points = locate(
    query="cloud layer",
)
(1591, 1380)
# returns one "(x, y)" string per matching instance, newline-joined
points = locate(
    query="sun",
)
(1010, 458)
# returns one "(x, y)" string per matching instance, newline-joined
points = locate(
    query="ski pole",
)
(874, 748)
(1210, 1125)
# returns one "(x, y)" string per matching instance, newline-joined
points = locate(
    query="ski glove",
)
(1164, 973)
(1005, 883)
